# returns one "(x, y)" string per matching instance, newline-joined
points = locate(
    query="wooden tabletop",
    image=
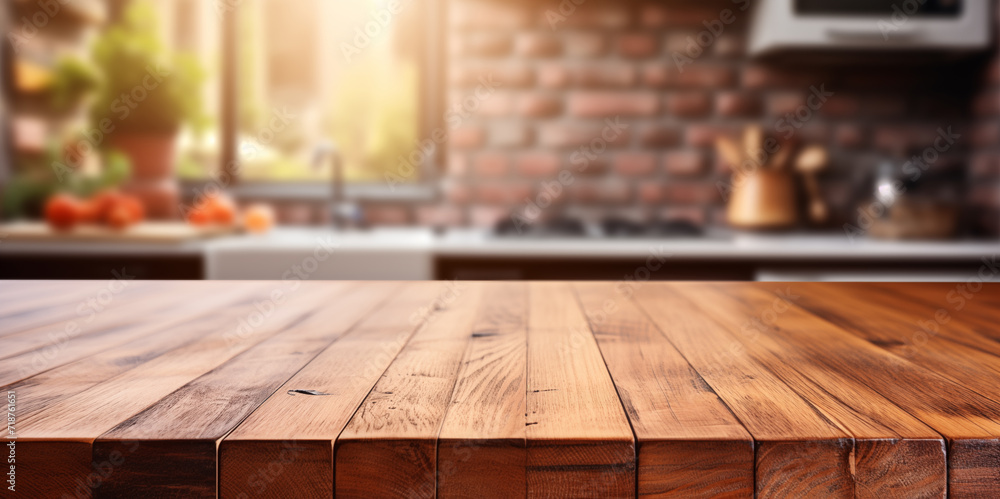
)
(465, 389)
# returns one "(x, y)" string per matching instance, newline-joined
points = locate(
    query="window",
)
(315, 76)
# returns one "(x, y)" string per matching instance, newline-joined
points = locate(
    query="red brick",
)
(604, 192)
(572, 135)
(985, 135)
(607, 104)
(638, 45)
(440, 216)
(985, 194)
(689, 104)
(605, 75)
(499, 74)
(487, 216)
(899, 138)
(388, 215)
(586, 45)
(496, 105)
(690, 193)
(555, 75)
(813, 132)
(985, 165)
(486, 44)
(685, 163)
(503, 193)
(659, 136)
(993, 72)
(653, 15)
(538, 45)
(585, 14)
(884, 106)
(678, 42)
(683, 14)
(635, 164)
(785, 103)
(539, 164)
(705, 75)
(458, 164)
(487, 14)
(850, 137)
(693, 214)
(467, 137)
(841, 106)
(704, 135)
(738, 104)
(510, 134)
(987, 104)
(491, 164)
(758, 76)
(732, 46)
(457, 193)
(538, 106)
(658, 75)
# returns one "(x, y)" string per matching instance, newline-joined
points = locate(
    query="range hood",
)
(870, 25)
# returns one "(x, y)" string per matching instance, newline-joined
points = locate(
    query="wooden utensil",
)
(809, 163)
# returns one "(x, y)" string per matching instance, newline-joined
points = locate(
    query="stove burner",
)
(616, 228)
(556, 227)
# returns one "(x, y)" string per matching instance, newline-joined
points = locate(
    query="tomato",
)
(258, 218)
(63, 212)
(199, 216)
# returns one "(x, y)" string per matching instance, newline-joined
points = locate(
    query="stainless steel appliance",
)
(870, 25)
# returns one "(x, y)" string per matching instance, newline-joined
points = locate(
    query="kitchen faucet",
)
(342, 213)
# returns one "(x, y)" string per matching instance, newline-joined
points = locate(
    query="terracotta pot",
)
(765, 199)
(153, 155)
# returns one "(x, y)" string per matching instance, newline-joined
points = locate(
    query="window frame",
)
(432, 91)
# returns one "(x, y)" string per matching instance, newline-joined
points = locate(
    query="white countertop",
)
(481, 243)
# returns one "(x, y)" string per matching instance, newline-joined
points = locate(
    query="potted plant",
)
(148, 93)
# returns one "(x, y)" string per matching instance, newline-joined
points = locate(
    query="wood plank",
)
(198, 334)
(579, 440)
(389, 447)
(68, 427)
(952, 347)
(72, 340)
(799, 452)
(894, 453)
(170, 447)
(102, 306)
(689, 443)
(286, 445)
(481, 449)
(969, 422)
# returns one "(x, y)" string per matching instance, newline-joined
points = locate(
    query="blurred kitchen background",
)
(488, 139)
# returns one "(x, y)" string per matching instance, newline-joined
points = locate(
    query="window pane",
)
(317, 75)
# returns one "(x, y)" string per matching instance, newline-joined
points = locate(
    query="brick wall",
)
(564, 71)
(984, 166)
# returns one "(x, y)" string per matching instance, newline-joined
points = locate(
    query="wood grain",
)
(170, 447)
(894, 453)
(287, 443)
(579, 440)
(800, 452)
(689, 443)
(82, 417)
(68, 341)
(952, 410)
(506, 389)
(389, 447)
(481, 448)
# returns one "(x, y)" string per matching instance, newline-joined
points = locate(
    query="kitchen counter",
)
(289, 388)
(417, 253)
